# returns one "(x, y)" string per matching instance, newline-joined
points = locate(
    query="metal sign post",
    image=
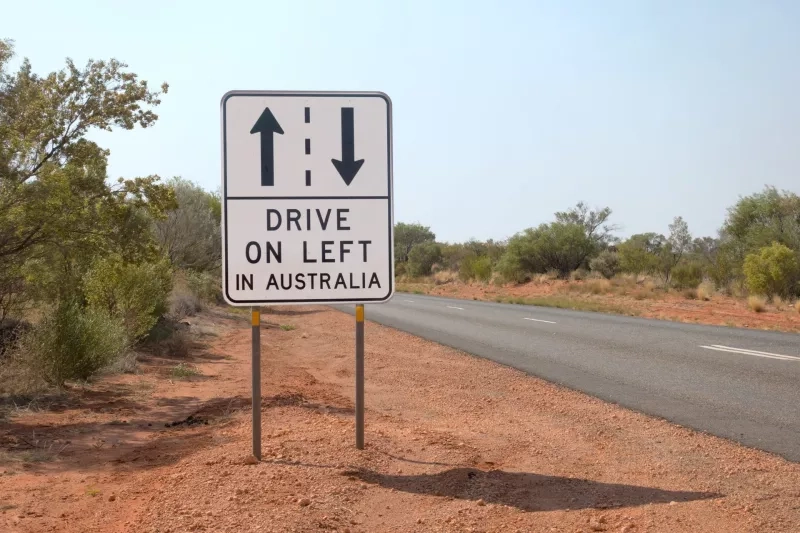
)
(307, 208)
(256, 375)
(360, 377)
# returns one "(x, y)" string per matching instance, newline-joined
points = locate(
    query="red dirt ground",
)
(454, 443)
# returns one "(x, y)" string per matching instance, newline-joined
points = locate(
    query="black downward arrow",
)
(267, 125)
(348, 167)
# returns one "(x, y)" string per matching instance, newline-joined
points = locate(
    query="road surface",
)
(734, 383)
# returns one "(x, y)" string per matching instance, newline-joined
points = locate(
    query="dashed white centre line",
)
(453, 307)
(538, 320)
(409, 301)
(744, 351)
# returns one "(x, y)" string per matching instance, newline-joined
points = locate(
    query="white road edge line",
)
(754, 353)
(537, 320)
(454, 307)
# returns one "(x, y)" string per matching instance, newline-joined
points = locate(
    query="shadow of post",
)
(527, 492)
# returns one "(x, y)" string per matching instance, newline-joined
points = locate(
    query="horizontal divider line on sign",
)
(306, 198)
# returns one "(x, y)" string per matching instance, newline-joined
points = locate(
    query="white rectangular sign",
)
(307, 213)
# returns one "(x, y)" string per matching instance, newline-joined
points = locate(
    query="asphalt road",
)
(735, 383)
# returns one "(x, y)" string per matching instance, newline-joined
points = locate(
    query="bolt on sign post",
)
(307, 210)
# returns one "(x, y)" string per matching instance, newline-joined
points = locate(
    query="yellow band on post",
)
(359, 313)
(256, 318)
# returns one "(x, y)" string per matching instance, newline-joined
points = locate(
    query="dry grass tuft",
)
(691, 294)
(797, 306)
(598, 286)
(757, 303)
(642, 294)
(592, 286)
(778, 302)
(625, 280)
(579, 275)
(443, 277)
(704, 291)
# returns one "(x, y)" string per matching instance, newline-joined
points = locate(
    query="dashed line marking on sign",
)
(755, 353)
(539, 320)
(454, 307)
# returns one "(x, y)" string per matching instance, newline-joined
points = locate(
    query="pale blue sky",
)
(503, 113)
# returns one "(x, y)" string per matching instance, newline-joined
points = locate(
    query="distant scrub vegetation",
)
(89, 268)
(756, 252)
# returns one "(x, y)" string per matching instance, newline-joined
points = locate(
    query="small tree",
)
(190, 234)
(422, 258)
(406, 236)
(678, 243)
(594, 223)
(774, 270)
(639, 254)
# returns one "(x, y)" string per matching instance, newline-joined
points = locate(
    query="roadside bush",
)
(135, 292)
(11, 330)
(757, 303)
(512, 270)
(606, 264)
(443, 277)
(190, 234)
(598, 286)
(771, 271)
(176, 345)
(205, 285)
(579, 275)
(705, 291)
(183, 304)
(422, 257)
(559, 246)
(478, 268)
(73, 343)
(687, 276)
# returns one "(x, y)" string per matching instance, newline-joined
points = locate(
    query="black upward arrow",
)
(348, 167)
(266, 125)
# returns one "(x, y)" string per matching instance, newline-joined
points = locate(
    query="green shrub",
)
(606, 264)
(687, 276)
(479, 268)
(771, 271)
(135, 292)
(204, 285)
(422, 258)
(511, 269)
(559, 246)
(74, 343)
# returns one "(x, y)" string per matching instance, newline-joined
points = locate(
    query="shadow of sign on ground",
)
(526, 491)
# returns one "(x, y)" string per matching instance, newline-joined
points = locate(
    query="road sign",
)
(307, 213)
